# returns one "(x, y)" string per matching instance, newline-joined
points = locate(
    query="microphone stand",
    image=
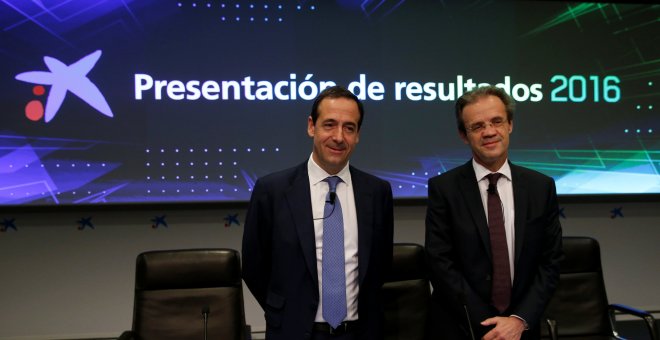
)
(467, 316)
(463, 299)
(205, 315)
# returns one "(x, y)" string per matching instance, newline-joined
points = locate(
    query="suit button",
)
(308, 336)
(488, 278)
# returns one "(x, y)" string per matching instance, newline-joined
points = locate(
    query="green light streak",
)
(628, 29)
(647, 154)
(648, 63)
(573, 13)
(590, 159)
(616, 10)
(606, 155)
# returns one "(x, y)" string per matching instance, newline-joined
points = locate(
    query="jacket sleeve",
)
(446, 274)
(545, 280)
(256, 247)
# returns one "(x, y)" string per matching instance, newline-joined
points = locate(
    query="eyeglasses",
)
(496, 122)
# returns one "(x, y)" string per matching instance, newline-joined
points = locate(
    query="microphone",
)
(205, 315)
(329, 199)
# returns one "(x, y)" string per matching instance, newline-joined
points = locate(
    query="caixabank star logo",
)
(62, 80)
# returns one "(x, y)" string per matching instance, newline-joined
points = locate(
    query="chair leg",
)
(650, 324)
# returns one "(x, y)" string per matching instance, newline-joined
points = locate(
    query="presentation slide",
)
(155, 101)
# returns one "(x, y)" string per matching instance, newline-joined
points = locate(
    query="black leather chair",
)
(406, 294)
(579, 308)
(188, 294)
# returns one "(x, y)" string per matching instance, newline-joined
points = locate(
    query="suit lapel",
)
(364, 211)
(520, 207)
(298, 197)
(470, 189)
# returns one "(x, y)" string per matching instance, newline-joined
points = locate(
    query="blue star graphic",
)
(85, 222)
(158, 220)
(561, 213)
(616, 212)
(72, 78)
(231, 219)
(7, 224)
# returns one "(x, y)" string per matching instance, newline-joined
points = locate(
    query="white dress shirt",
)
(505, 190)
(319, 189)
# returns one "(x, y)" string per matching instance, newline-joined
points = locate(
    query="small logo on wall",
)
(85, 222)
(616, 212)
(8, 223)
(158, 221)
(62, 80)
(231, 219)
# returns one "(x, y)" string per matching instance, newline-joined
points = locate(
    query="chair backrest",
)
(580, 305)
(407, 293)
(174, 287)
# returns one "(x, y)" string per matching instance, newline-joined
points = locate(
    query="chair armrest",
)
(552, 328)
(646, 316)
(127, 335)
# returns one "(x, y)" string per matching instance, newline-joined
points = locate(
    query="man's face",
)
(487, 131)
(335, 133)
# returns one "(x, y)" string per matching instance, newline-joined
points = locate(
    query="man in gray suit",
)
(288, 255)
(493, 236)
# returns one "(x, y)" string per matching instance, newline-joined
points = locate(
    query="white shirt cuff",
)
(521, 319)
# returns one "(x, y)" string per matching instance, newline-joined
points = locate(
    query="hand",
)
(506, 328)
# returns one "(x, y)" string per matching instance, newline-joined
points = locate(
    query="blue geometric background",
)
(178, 151)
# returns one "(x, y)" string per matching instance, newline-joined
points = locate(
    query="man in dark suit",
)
(493, 241)
(289, 255)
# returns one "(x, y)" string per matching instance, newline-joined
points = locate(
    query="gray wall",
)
(61, 282)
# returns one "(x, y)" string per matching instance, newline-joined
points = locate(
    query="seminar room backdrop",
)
(130, 126)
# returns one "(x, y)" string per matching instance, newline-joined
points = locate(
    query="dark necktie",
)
(501, 293)
(333, 266)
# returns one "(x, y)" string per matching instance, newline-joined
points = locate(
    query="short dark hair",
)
(484, 91)
(336, 92)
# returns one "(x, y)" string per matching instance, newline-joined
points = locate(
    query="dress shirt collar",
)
(480, 171)
(317, 174)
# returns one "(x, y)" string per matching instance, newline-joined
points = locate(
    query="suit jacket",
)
(279, 251)
(458, 250)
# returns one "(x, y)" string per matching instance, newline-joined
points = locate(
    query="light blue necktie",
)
(334, 276)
